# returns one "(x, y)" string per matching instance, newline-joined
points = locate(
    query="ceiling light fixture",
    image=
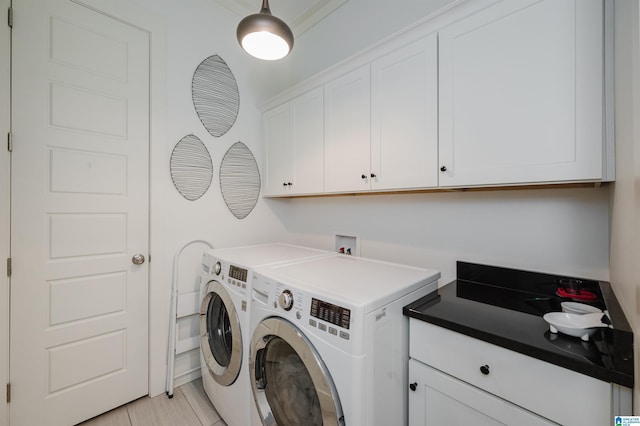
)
(264, 36)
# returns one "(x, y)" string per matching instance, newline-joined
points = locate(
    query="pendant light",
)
(264, 36)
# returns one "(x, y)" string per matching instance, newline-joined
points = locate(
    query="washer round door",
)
(291, 384)
(220, 335)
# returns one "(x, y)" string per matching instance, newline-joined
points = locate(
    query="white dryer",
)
(330, 342)
(224, 321)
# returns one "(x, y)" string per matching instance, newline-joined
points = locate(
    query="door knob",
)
(443, 168)
(137, 259)
(413, 386)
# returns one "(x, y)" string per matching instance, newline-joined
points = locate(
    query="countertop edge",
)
(519, 347)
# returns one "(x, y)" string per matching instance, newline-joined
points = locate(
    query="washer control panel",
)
(238, 273)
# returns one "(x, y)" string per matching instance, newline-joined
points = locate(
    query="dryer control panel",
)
(331, 313)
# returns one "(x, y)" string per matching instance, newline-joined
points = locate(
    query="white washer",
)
(224, 321)
(330, 342)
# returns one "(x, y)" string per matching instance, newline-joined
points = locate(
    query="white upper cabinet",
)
(381, 122)
(404, 117)
(521, 94)
(347, 134)
(294, 136)
(516, 93)
(278, 139)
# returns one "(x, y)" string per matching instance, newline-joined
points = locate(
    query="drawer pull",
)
(484, 370)
(413, 386)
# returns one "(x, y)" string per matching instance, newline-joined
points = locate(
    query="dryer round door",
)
(220, 335)
(291, 384)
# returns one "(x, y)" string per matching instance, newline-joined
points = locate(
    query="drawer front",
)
(439, 399)
(538, 386)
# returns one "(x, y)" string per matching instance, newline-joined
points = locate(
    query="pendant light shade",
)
(264, 36)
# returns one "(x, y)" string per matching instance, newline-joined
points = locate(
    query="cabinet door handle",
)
(443, 168)
(484, 370)
(413, 386)
(373, 175)
(363, 176)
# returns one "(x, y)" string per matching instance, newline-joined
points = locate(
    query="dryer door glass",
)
(290, 382)
(291, 394)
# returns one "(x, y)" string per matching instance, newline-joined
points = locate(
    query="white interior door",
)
(5, 86)
(79, 306)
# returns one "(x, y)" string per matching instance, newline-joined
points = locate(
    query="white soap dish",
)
(577, 325)
(579, 308)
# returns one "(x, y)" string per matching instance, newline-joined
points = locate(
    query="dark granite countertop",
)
(505, 307)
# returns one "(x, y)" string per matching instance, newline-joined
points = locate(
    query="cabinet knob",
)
(363, 176)
(413, 386)
(373, 175)
(284, 184)
(443, 168)
(289, 184)
(484, 370)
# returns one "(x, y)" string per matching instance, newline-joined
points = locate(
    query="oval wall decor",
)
(191, 167)
(239, 180)
(215, 95)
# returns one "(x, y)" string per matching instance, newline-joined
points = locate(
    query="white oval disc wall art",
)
(191, 167)
(239, 180)
(215, 95)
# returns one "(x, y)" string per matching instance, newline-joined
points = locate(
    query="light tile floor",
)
(188, 407)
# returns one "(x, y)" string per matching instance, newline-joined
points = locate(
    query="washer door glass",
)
(291, 384)
(219, 331)
(220, 336)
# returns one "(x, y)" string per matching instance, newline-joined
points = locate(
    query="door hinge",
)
(10, 142)
(8, 266)
(10, 17)
(8, 393)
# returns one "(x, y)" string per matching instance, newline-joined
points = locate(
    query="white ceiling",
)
(300, 15)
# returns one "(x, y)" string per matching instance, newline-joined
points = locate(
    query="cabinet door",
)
(521, 94)
(439, 399)
(278, 142)
(307, 114)
(347, 132)
(404, 117)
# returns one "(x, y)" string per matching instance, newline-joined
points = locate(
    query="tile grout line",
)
(191, 405)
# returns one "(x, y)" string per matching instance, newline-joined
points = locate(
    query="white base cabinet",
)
(483, 384)
(439, 399)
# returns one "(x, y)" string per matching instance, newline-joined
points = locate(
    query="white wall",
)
(352, 28)
(195, 30)
(562, 231)
(625, 196)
